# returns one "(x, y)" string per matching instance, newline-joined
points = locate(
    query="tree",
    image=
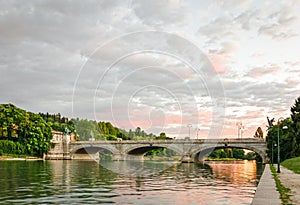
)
(138, 131)
(259, 133)
(162, 136)
(295, 126)
(286, 140)
(238, 153)
(30, 130)
(84, 129)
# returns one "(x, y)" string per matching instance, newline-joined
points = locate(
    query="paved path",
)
(292, 181)
(266, 193)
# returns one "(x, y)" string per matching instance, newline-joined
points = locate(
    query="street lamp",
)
(272, 152)
(278, 151)
(197, 130)
(189, 126)
(240, 127)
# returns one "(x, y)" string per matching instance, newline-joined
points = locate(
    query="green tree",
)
(259, 133)
(238, 153)
(295, 126)
(286, 140)
(26, 128)
(85, 128)
(138, 131)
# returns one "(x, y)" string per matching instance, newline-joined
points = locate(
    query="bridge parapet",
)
(221, 140)
(135, 149)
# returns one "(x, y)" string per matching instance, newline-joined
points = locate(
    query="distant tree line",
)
(59, 123)
(89, 129)
(289, 138)
(233, 153)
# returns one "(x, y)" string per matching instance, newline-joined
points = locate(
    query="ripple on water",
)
(76, 182)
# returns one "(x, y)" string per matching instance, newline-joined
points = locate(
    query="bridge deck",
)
(179, 141)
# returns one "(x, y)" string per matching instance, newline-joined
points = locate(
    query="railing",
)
(196, 141)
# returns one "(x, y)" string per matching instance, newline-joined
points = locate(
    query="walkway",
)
(292, 181)
(266, 193)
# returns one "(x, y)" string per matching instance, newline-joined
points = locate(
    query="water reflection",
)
(240, 172)
(86, 182)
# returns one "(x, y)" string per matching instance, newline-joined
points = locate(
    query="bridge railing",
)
(216, 140)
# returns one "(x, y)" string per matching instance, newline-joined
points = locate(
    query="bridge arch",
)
(92, 148)
(198, 155)
(142, 150)
(87, 151)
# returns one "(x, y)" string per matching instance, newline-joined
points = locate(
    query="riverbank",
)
(27, 158)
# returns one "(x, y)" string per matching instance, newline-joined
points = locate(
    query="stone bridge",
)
(189, 150)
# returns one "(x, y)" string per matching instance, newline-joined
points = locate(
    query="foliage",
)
(289, 140)
(259, 133)
(292, 164)
(88, 130)
(283, 191)
(28, 131)
(59, 123)
(295, 126)
(235, 153)
(161, 152)
(11, 147)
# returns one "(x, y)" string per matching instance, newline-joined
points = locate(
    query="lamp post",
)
(189, 126)
(272, 149)
(278, 144)
(240, 127)
(197, 130)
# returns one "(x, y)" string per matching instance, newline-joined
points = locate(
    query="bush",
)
(11, 147)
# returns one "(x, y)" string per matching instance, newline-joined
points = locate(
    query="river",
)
(90, 182)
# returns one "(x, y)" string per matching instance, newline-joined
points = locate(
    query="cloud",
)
(157, 13)
(151, 62)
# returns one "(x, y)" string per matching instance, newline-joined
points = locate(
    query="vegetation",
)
(23, 132)
(161, 152)
(232, 154)
(292, 164)
(289, 139)
(27, 133)
(88, 129)
(60, 123)
(259, 133)
(283, 191)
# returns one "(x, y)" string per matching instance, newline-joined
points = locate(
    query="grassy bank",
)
(283, 191)
(292, 164)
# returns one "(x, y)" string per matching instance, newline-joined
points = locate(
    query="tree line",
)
(92, 130)
(289, 139)
(233, 153)
(27, 133)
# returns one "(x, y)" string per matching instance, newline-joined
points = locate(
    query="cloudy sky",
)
(167, 66)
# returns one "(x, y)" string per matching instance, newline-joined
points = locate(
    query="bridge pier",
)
(187, 158)
(133, 157)
(86, 156)
(118, 157)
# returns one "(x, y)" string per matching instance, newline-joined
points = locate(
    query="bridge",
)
(189, 150)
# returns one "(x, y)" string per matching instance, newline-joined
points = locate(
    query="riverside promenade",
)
(266, 193)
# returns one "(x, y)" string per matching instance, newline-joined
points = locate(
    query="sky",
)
(186, 68)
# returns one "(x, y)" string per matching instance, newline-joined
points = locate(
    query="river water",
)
(90, 182)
